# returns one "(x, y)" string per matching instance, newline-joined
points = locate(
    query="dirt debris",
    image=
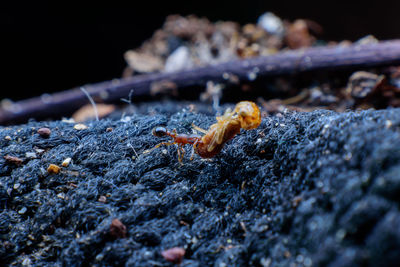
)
(202, 42)
(174, 255)
(44, 132)
(188, 42)
(117, 228)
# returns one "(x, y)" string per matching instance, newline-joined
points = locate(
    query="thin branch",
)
(290, 62)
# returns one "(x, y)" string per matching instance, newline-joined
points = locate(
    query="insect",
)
(246, 115)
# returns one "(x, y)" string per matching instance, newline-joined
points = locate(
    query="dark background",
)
(51, 47)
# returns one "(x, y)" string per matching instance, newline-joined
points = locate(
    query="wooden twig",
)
(290, 62)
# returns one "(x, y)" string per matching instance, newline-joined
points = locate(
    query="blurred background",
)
(48, 47)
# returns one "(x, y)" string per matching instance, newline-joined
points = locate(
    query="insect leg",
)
(193, 149)
(197, 128)
(180, 151)
(158, 145)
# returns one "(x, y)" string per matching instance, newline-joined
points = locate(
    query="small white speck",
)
(80, 126)
(300, 258)
(26, 262)
(31, 155)
(265, 262)
(23, 210)
(307, 262)
(340, 234)
(388, 124)
(66, 162)
(252, 76)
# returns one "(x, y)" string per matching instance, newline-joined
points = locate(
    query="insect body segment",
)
(249, 115)
(246, 115)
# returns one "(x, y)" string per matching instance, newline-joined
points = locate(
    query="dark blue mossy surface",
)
(315, 189)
